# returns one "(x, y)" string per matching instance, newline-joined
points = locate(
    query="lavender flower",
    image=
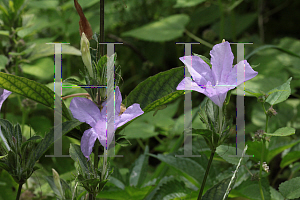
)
(87, 111)
(3, 96)
(215, 82)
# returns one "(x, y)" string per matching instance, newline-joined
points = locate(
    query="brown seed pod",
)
(84, 25)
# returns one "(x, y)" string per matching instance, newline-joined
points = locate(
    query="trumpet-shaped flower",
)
(215, 82)
(85, 53)
(87, 111)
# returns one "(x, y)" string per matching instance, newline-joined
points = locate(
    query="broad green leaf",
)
(193, 167)
(285, 131)
(171, 190)
(49, 137)
(250, 189)
(130, 193)
(204, 15)
(217, 191)
(228, 153)
(164, 30)
(279, 94)
(30, 89)
(77, 156)
(139, 171)
(43, 50)
(275, 195)
(42, 69)
(187, 3)
(290, 189)
(279, 147)
(157, 90)
(289, 158)
(8, 187)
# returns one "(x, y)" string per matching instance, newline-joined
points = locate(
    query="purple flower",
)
(215, 82)
(3, 96)
(87, 111)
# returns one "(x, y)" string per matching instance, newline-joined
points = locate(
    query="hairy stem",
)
(206, 174)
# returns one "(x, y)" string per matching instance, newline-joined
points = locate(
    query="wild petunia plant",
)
(214, 82)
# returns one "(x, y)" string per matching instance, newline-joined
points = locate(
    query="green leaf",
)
(42, 69)
(275, 195)
(250, 189)
(217, 191)
(207, 135)
(193, 167)
(43, 50)
(77, 156)
(290, 189)
(139, 171)
(187, 3)
(3, 60)
(30, 89)
(285, 131)
(49, 137)
(130, 193)
(164, 30)
(7, 131)
(279, 94)
(139, 130)
(279, 147)
(171, 190)
(9, 187)
(289, 158)
(227, 153)
(271, 46)
(157, 90)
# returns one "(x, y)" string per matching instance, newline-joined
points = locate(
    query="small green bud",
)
(57, 183)
(85, 53)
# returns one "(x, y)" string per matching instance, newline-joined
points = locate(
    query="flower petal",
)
(130, 113)
(3, 95)
(221, 60)
(194, 85)
(198, 69)
(118, 101)
(236, 78)
(87, 142)
(100, 129)
(85, 110)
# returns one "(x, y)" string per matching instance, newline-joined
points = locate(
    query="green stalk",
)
(206, 174)
(96, 153)
(262, 155)
(104, 163)
(191, 35)
(19, 191)
(221, 21)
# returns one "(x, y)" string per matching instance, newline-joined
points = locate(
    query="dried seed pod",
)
(84, 25)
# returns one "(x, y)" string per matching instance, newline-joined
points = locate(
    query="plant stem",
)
(101, 40)
(96, 153)
(191, 35)
(19, 191)
(221, 20)
(206, 174)
(262, 157)
(104, 163)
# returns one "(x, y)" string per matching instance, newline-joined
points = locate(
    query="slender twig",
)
(191, 35)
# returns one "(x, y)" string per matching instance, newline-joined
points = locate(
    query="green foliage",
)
(289, 189)
(164, 30)
(156, 90)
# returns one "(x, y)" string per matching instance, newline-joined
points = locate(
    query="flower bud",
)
(57, 183)
(85, 53)
(271, 112)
